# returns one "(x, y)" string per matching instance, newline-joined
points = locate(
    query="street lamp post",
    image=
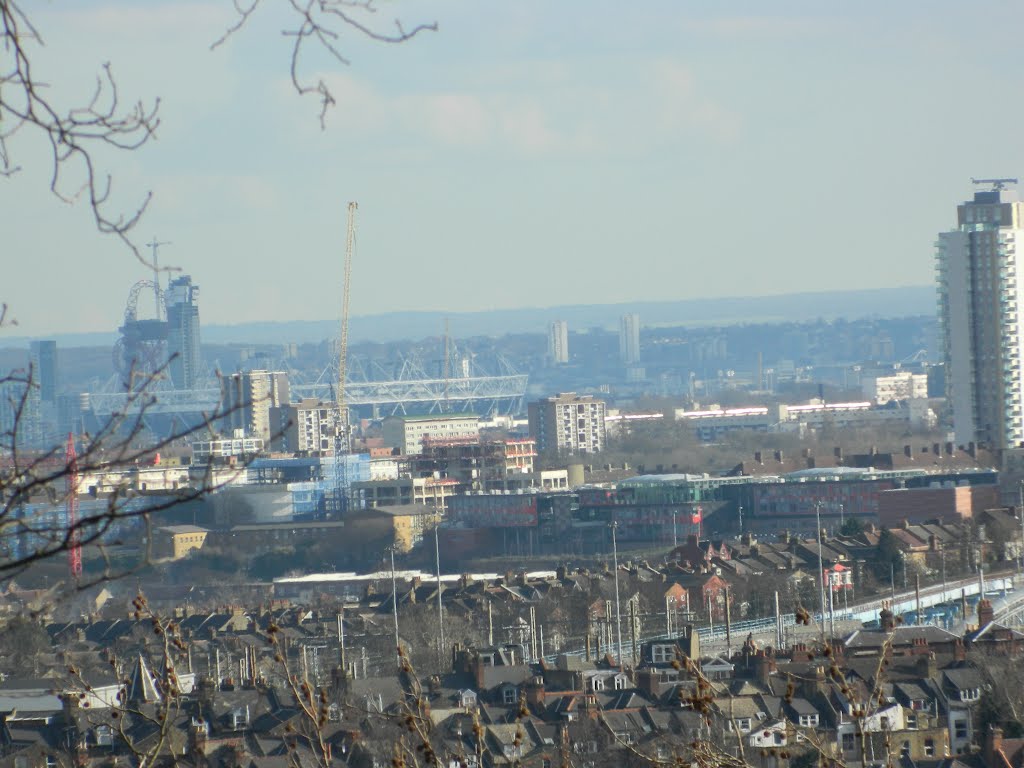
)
(821, 568)
(942, 553)
(440, 605)
(1020, 505)
(394, 605)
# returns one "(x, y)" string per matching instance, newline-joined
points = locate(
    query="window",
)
(741, 724)
(929, 747)
(509, 695)
(848, 742)
(960, 729)
(662, 654)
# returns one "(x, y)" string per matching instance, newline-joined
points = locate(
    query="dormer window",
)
(620, 682)
(597, 683)
(508, 695)
(742, 724)
(662, 654)
(809, 721)
(970, 694)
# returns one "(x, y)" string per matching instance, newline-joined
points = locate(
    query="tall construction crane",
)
(342, 444)
(71, 489)
(350, 246)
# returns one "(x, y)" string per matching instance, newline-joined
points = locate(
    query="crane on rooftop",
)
(997, 184)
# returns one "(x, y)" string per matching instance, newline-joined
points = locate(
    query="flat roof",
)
(250, 527)
(397, 510)
(183, 529)
(352, 576)
(437, 417)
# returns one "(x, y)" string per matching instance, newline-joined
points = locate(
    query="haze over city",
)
(525, 154)
(670, 410)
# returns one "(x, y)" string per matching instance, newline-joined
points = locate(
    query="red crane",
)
(74, 536)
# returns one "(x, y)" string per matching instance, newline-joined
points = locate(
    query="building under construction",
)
(168, 342)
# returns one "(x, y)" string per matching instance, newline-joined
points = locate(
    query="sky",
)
(526, 154)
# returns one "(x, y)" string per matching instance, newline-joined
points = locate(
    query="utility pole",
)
(618, 614)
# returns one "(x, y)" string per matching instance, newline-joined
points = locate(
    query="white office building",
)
(902, 385)
(629, 339)
(979, 298)
(558, 342)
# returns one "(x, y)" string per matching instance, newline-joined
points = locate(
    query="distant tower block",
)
(183, 333)
(44, 369)
(558, 342)
(629, 339)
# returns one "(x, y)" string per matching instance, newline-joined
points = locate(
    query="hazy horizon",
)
(658, 153)
(899, 301)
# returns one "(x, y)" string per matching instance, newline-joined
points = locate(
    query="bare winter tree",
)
(39, 484)
(78, 135)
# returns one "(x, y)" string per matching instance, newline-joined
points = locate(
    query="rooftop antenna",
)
(997, 184)
(153, 246)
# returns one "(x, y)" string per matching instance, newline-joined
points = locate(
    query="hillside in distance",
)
(393, 326)
(797, 307)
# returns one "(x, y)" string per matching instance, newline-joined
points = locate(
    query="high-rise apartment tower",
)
(569, 423)
(183, 332)
(44, 369)
(629, 339)
(558, 342)
(980, 293)
(248, 400)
